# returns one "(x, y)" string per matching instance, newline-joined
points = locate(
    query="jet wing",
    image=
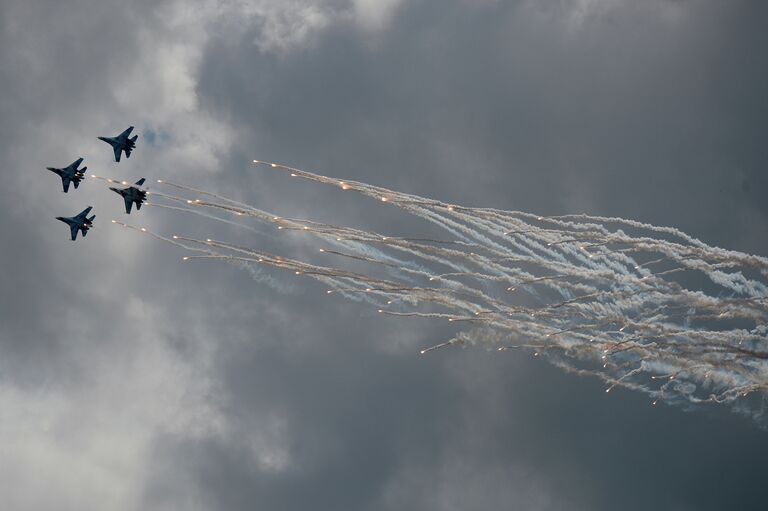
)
(128, 204)
(65, 184)
(118, 152)
(125, 133)
(84, 212)
(73, 230)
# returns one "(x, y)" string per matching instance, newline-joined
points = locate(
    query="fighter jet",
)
(132, 195)
(70, 174)
(79, 222)
(122, 143)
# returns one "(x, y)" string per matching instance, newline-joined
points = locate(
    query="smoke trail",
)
(594, 299)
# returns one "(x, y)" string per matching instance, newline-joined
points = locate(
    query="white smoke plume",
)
(605, 297)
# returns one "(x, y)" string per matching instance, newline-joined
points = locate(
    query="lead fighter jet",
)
(70, 174)
(122, 143)
(132, 195)
(80, 222)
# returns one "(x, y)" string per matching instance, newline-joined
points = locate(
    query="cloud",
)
(129, 380)
(92, 425)
(375, 14)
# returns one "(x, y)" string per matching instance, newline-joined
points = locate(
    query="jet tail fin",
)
(140, 181)
(134, 138)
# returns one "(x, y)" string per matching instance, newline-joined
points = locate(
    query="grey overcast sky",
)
(129, 381)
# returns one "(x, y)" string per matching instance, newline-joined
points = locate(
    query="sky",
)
(130, 380)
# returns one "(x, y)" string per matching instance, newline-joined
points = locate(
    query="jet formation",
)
(72, 174)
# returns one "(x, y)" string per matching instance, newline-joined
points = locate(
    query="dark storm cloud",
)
(230, 394)
(626, 109)
(647, 112)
